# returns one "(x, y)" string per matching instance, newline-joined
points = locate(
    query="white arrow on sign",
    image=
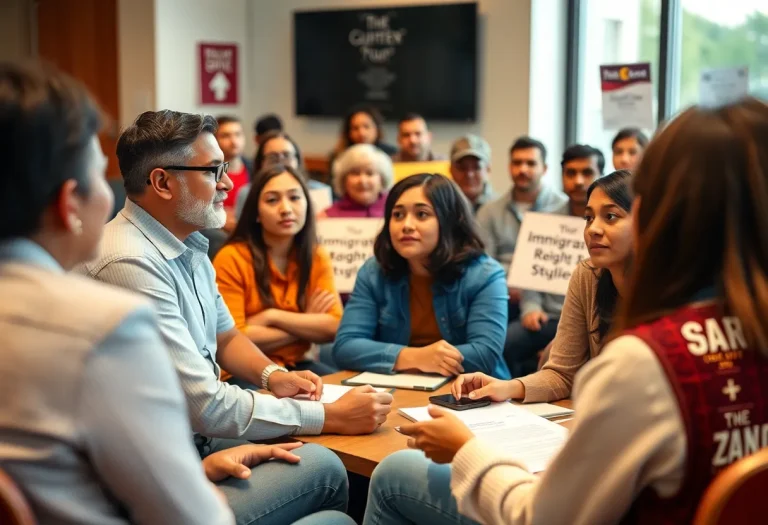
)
(219, 84)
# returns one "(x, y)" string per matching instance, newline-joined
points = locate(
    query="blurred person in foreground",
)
(86, 380)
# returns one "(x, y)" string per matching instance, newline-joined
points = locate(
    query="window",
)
(680, 38)
(610, 33)
(720, 35)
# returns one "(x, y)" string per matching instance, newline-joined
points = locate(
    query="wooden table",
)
(361, 454)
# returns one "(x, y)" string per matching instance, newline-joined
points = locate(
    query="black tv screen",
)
(402, 59)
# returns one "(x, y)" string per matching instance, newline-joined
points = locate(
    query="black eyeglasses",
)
(218, 171)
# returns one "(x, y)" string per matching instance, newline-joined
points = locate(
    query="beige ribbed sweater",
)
(576, 341)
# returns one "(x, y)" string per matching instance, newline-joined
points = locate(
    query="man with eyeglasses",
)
(470, 167)
(176, 181)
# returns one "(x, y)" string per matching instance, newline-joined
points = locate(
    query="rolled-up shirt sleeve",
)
(216, 408)
(134, 426)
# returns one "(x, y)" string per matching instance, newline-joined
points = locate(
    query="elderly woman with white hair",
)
(362, 174)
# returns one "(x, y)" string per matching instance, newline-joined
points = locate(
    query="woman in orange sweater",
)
(275, 279)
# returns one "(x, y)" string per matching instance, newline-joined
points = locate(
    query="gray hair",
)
(357, 155)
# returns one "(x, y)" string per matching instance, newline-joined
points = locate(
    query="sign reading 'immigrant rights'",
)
(349, 243)
(548, 249)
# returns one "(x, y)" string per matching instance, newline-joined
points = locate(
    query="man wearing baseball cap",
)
(470, 166)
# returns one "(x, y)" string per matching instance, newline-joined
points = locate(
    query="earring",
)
(77, 226)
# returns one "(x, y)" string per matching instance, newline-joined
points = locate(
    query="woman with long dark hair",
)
(680, 391)
(430, 299)
(277, 282)
(588, 311)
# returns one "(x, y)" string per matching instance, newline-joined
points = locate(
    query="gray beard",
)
(198, 213)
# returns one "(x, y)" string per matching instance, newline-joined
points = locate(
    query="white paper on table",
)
(511, 429)
(410, 381)
(332, 393)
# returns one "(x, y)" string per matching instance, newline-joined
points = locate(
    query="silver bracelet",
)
(268, 371)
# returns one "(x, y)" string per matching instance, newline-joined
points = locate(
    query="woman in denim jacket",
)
(430, 300)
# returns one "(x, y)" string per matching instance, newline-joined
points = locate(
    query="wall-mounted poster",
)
(401, 59)
(627, 96)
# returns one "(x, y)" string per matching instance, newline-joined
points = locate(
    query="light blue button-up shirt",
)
(140, 254)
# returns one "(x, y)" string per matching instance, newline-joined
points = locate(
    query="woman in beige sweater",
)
(593, 291)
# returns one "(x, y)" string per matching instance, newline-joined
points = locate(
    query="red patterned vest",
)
(721, 386)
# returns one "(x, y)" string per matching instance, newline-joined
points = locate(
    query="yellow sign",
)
(406, 169)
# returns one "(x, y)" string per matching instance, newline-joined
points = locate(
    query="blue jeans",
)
(522, 346)
(408, 488)
(278, 493)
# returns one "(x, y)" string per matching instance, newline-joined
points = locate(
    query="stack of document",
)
(423, 382)
(511, 429)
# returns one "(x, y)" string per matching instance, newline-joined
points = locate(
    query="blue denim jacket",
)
(471, 314)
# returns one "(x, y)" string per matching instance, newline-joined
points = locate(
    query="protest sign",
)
(627, 96)
(548, 249)
(349, 242)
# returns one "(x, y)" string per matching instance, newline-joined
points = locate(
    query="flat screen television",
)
(419, 59)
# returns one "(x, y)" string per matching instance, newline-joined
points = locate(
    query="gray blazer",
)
(94, 426)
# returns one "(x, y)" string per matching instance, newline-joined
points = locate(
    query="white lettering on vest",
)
(735, 450)
(711, 339)
(737, 419)
(738, 442)
(722, 442)
(735, 332)
(697, 343)
(715, 336)
(751, 439)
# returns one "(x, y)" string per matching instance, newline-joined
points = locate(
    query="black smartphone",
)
(448, 401)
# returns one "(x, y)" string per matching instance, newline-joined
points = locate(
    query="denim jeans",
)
(522, 346)
(408, 488)
(278, 493)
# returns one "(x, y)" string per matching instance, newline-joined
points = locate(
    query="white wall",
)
(179, 26)
(503, 90)
(521, 71)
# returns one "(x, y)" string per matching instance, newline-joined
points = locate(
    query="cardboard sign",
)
(349, 242)
(627, 96)
(406, 169)
(718, 87)
(218, 74)
(548, 249)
